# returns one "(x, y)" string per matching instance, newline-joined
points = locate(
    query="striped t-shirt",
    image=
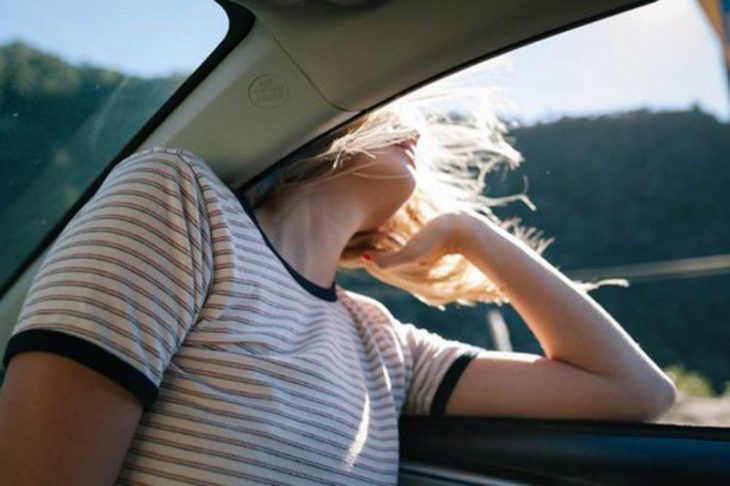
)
(248, 372)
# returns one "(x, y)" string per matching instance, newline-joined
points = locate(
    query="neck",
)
(310, 232)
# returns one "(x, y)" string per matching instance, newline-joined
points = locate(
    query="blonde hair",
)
(461, 141)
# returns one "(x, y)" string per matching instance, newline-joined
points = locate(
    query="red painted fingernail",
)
(367, 256)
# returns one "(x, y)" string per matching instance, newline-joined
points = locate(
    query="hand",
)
(439, 237)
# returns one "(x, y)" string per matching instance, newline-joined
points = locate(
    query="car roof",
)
(307, 68)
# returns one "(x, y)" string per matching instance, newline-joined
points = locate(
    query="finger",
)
(386, 260)
(409, 254)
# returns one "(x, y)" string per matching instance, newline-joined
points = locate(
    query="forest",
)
(612, 190)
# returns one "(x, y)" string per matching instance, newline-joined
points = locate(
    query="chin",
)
(387, 196)
(407, 188)
(386, 215)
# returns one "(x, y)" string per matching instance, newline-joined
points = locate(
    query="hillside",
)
(60, 119)
(55, 112)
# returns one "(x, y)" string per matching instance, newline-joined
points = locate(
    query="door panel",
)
(561, 451)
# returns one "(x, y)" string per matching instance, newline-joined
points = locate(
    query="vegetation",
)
(613, 190)
(689, 382)
(60, 125)
(51, 111)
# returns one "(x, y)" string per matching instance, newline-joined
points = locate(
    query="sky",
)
(663, 56)
(140, 37)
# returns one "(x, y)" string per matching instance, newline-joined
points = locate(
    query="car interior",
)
(289, 73)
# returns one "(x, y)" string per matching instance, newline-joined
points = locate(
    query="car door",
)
(471, 450)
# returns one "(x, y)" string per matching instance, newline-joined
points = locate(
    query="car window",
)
(623, 126)
(77, 81)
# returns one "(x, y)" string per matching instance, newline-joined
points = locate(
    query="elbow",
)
(642, 399)
(666, 398)
(656, 400)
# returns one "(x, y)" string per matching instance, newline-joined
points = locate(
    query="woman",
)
(177, 332)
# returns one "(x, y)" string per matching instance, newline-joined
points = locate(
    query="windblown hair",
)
(461, 141)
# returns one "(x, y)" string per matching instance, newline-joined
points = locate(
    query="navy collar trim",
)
(325, 293)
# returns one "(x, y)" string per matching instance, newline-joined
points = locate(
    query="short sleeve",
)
(124, 283)
(436, 365)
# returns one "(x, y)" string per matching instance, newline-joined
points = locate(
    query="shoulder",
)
(166, 161)
(375, 309)
(172, 171)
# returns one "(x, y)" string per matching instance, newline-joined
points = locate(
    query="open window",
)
(623, 126)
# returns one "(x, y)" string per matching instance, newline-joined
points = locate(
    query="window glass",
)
(623, 126)
(77, 80)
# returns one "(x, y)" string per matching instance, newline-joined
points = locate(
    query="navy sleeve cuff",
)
(86, 353)
(438, 405)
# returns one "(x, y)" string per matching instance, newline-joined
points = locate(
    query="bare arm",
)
(62, 423)
(593, 368)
